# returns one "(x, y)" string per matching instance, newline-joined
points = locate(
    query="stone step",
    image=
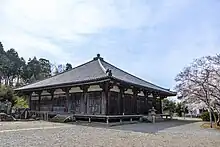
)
(6, 117)
(150, 119)
(62, 118)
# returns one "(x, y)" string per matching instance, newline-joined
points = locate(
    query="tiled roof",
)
(95, 69)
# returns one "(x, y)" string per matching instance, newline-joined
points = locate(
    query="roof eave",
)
(165, 93)
(93, 81)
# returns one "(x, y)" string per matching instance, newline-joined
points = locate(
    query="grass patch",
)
(207, 125)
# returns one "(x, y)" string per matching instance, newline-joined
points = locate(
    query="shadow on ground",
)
(153, 128)
(142, 127)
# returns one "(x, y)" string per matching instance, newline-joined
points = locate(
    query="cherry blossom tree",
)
(200, 83)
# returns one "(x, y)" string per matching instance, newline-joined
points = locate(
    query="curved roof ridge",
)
(102, 67)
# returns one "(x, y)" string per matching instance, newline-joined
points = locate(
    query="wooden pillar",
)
(68, 105)
(154, 101)
(106, 86)
(39, 99)
(161, 104)
(100, 107)
(146, 102)
(107, 98)
(135, 93)
(29, 100)
(121, 100)
(52, 101)
(68, 100)
(82, 104)
(84, 101)
(107, 103)
(119, 103)
(51, 91)
(122, 95)
(86, 97)
(103, 103)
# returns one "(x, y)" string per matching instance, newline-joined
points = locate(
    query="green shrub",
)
(205, 116)
(20, 102)
(179, 109)
(7, 93)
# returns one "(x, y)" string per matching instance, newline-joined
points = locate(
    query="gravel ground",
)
(25, 125)
(45, 134)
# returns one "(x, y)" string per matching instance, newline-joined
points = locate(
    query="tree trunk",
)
(0, 80)
(18, 79)
(11, 82)
(210, 117)
(6, 81)
(218, 121)
(215, 118)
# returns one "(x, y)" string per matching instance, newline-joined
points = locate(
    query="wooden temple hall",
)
(95, 88)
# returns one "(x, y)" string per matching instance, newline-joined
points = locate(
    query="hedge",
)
(205, 116)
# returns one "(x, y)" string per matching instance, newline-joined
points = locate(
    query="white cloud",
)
(31, 25)
(28, 24)
(54, 28)
(68, 19)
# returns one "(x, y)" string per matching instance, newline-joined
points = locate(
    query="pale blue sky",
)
(153, 39)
